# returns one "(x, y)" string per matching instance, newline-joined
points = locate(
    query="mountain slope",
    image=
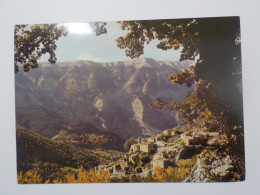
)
(31, 146)
(84, 135)
(111, 96)
(40, 119)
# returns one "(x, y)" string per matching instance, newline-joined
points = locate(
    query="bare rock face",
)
(218, 167)
(198, 174)
(111, 96)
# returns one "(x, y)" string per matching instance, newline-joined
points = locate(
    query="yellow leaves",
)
(207, 114)
(159, 174)
(237, 127)
(207, 157)
(26, 36)
(88, 177)
(223, 140)
(57, 181)
(29, 177)
(187, 163)
(184, 168)
(47, 181)
(83, 176)
(70, 177)
(104, 176)
(175, 45)
(41, 26)
(196, 33)
(170, 174)
(233, 138)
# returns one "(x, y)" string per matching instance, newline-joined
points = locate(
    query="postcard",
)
(129, 101)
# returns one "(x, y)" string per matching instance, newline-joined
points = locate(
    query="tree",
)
(31, 42)
(214, 41)
(88, 176)
(29, 177)
(170, 174)
(215, 44)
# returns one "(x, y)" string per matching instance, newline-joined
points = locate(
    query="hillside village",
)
(191, 153)
(169, 149)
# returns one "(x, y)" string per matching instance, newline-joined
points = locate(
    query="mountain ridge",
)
(112, 96)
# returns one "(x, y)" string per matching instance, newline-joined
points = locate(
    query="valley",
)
(93, 120)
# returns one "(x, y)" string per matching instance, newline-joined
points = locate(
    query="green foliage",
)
(216, 44)
(30, 43)
(214, 69)
(184, 77)
(187, 163)
(171, 33)
(196, 37)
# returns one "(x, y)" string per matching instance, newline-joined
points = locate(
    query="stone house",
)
(160, 161)
(152, 139)
(120, 169)
(188, 139)
(134, 148)
(142, 147)
(146, 147)
(108, 168)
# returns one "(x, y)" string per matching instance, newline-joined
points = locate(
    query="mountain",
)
(85, 135)
(111, 97)
(32, 146)
(40, 119)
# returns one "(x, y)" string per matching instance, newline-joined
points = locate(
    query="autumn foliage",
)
(88, 176)
(170, 174)
(29, 177)
(83, 176)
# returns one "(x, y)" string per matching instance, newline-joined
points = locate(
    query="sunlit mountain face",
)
(110, 97)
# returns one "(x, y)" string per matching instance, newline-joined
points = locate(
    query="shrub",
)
(170, 174)
(29, 177)
(187, 163)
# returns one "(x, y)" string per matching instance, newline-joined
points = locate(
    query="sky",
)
(83, 44)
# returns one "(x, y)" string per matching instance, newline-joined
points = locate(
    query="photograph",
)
(132, 101)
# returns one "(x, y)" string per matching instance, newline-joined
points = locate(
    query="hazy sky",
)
(102, 48)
